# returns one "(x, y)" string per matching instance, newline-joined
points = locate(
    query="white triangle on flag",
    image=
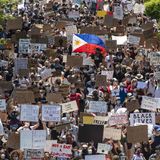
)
(77, 42)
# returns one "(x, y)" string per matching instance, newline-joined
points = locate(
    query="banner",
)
(31, 154)
(2, 104)
(32, 139)
(98, 107)
(62, 150)
(150, 103)
(51, 113)
(145, 118)
(117, 119)
(104, 148)
(29, 113)
(69, 107)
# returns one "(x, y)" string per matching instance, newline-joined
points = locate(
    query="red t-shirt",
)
(75, 97)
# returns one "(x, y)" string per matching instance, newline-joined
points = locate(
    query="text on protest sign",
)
(108, 74)
(61, 150)
(29, 113)
(118, 12)
(24, 46)
(118, 119)
(97, 157)
(150, 103)
(2, 104)
(115, 134)
(101, 120)
(51, 113)
(32, 139)
(98, 106)
(133, 40)
(104, 148)
(145, 118)
(69, 107)
(33, 154)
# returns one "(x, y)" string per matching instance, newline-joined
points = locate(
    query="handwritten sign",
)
(118, 119)
(104, 148)
(101, 120)
(29, 113)
(98, 107)
(2, 104)
(62, 150)
(30, 154)
(112, 133)
(69, 107)
(51, 113)
(143, 118)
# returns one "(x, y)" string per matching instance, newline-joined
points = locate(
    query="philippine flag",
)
(87, 43)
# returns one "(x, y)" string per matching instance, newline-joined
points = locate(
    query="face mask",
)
(2, 156)
(73, 91)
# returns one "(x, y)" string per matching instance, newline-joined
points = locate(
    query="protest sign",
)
(100, 120)
(54, 97)
(31, 154)
(101, 80)
(88, 61)
(69, 107)
(61, 150)
(24, 46)
(1, 128)
(29, 113)
(108, 21)
(46, 73)
(73, 14)
(121, 40)
(98, 107)
(157, 75)
(88, 119)
(13, 140)
(74, 61)
(20, 63)
(145, 118)
(48, 145)
(88, 133)
(117, 119)
(138, 8)
(155, 58)
(101, 14)
(132, 105)
(112, 133)
(104, 148)
(62, 126)
(3, 116)
(137, 134)
(108, 74)
(150, 103)
(51, 113)
(38, 47)
(2, 104)
(6, 85)
(118, 12)
(60, 41)
(14, 24)
(23, 96)
(70, 30)
(141, 85)
(133, 40)
(111, 44)
(32, 139)
(97, 157)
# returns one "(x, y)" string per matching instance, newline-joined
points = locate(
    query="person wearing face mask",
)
(122, 93)
(138, 155)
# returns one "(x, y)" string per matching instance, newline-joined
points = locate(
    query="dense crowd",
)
(129, 66)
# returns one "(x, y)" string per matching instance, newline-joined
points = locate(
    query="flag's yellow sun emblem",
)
(77, 42)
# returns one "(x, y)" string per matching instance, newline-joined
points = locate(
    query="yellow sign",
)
(101, 13)
(88, 119)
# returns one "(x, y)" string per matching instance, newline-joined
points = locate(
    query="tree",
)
(153, 9)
